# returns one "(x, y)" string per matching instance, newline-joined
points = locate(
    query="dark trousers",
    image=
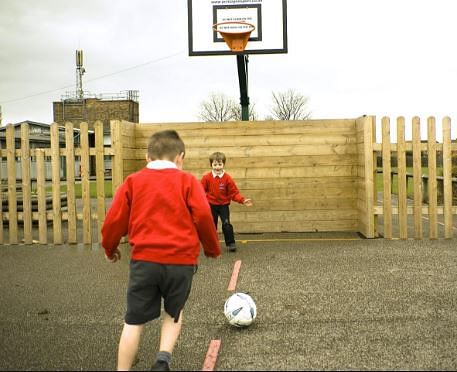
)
(223, 212)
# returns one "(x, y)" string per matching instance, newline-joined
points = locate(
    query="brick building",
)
(91, 108)
(103, 107)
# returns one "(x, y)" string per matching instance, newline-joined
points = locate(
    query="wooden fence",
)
(304, 176)
(54, 200)
(415, 206)
(300, 175)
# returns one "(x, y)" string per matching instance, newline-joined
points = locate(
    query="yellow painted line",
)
(294, 240)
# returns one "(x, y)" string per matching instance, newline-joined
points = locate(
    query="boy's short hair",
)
(218, 156)
(165, 144)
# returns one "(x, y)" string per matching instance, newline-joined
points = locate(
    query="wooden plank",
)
(329, 203)
(374, 174)
(56, 203)
(303, 193)
(100, 175)
(270, 161)
(26, 183)
(417, 177)
(299, 172)
(293, 216)
(85, 184)
(304, 184)
(266, 140)
(118, 159)
(367, 215)
(410, 210)
(12, 198)
(296, 172)
(423, 146)
(135, 153)
(295, 226)
(286, 150)
(242, 128)
(71, 199)
(447, 178)
(386, 169)
(41, 195)
(432, 184)
(409, 146)
(128, 129)
(251, 215)
(107, 151)
(292, 195)
(402, 184)
(360, 186)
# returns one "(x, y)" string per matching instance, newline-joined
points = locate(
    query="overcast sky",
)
(351, 57)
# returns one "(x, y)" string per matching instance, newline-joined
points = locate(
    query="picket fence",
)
(429, 179)
(46, 207)
(314, 175)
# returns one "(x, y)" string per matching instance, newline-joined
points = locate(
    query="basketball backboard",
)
(269, 18)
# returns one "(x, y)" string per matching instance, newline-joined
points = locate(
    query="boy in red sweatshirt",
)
(165, 214)
(220, 190)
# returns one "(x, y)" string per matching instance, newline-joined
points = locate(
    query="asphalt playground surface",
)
(324, 301)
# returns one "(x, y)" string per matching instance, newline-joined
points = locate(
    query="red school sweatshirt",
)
(221, 190)
(165, 214)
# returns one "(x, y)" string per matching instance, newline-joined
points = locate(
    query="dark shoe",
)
(232, 247)
(160, 365)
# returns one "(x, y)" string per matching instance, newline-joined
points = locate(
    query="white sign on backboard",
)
(268, 16)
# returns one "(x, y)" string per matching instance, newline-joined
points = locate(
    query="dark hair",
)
(165, 144)
(218, 156)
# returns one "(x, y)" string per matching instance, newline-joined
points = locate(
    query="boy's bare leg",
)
(128, 346)
(170, 332)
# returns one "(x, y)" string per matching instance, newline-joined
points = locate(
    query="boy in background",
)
(220, 190)
(166, 215)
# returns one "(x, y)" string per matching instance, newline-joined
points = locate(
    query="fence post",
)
(447, 177)
(118, 161)
(386, 170)
(417, 177)
(100, 175)
(368, 185)
(402, 180)
(12, 197)
(55, 166)
(70, 162)
(432, 184)
(85, 184)
(26, 186)
(41, 194)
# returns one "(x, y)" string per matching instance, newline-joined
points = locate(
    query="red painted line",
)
(211, 355)
(234, 278)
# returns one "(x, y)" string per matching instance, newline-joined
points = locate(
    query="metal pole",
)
(242, 63)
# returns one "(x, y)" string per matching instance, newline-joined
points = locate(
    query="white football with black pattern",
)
(240, 309)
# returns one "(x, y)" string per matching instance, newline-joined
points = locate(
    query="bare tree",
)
(290, 105)
(218, 107)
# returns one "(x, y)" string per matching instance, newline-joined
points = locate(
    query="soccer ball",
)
(240, 309)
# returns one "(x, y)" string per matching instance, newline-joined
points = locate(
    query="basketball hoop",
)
(235, 34)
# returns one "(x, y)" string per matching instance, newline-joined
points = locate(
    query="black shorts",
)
(150, 282)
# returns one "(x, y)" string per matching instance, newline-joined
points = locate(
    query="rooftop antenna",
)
(80, 70)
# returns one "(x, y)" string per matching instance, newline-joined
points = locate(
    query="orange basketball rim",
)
(235, 34)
